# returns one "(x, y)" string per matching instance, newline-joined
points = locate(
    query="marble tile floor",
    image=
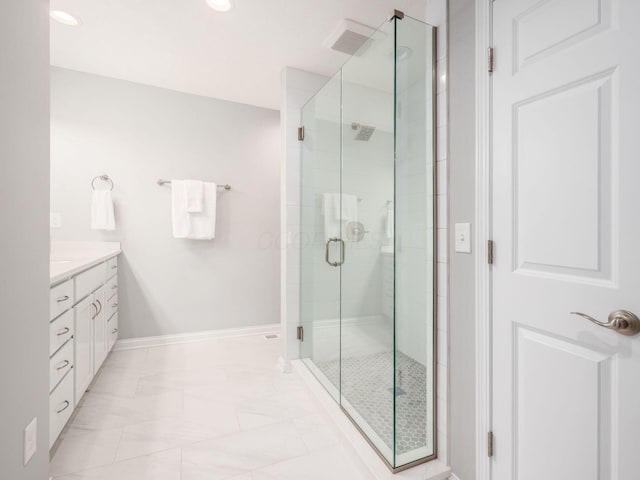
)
(210, 410)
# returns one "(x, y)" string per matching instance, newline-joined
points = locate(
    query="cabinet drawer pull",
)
(62, 299)
(114, 305)
(64, 331)
(114, 330)
(113, 267)
(113, 287)
(63, 364)
(100, 306)
(67, 403)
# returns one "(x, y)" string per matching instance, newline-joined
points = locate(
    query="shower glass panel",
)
(367, 240)
(319, 282)
(414, 242)
(367, 185)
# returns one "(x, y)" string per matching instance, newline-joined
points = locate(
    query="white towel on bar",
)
(333, 217)
(102, 214)
(197, 225)
(194, 193)
(333, 203)
(331, 220)
(349, 208)
(390, 220)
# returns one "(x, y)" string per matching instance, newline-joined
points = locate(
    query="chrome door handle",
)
(622, 321)
(341, 251)
(326, 252)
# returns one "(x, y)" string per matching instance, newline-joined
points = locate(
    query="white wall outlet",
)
(463, 237)
(55, 220)
(30, 440)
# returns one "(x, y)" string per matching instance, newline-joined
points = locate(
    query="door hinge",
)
(300, 333)
(490, 252)
(490, 439)
(490, 59)
(300, 134)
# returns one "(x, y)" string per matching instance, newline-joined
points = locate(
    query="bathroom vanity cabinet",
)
(83, 329)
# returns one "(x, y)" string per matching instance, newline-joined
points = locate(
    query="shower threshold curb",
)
(433, 470)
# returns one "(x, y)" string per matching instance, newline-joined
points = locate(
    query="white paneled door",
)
(566, 226)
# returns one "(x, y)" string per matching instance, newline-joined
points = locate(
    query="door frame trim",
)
(483, 233)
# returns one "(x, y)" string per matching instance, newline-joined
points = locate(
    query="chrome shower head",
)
(364, 131)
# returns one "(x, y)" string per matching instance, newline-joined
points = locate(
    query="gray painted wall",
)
(137, 134)
(24, 242)
(462, 209)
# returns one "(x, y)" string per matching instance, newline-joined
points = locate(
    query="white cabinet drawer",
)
(111, 307)
(111, 286)
(112, 266)
(60, 364)
(60, 407)
(60, 298)
(112, 331)
(60, 330)
(90, 280)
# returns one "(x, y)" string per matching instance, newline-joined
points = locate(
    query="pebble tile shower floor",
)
(367, 383)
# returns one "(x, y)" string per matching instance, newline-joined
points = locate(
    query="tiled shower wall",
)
(437, 14)
(297, 87)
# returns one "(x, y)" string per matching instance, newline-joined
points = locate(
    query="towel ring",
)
(104, 178)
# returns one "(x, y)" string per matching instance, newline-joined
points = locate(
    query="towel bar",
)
(164, 182)
(104, 178)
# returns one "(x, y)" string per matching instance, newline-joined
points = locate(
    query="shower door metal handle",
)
(622, 321)
(326, 252)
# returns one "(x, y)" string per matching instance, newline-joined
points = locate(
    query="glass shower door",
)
(319, 224)
(367, 326)
(367, 240)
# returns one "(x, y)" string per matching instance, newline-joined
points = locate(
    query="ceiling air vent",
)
(349, 36)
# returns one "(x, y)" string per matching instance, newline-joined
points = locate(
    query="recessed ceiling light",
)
(220, 5)
(65, 18)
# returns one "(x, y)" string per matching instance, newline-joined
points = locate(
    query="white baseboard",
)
(145, 342)
(453, 476)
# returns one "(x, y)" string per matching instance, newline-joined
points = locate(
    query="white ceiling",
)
(186, 46)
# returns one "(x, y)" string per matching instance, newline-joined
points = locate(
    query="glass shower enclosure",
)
(367, 240)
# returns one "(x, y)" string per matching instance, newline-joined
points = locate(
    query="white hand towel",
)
(331, 220)
(349, 208)
(203, 225)
(179, 214)
(194, 191)
(390, 220)
(195, 226)
(102, 214)
(345, 207)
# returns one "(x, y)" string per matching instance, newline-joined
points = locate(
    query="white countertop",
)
(70, 258)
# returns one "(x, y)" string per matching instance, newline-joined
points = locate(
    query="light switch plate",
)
(463, 237)
(30, 440)
(55, 220)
